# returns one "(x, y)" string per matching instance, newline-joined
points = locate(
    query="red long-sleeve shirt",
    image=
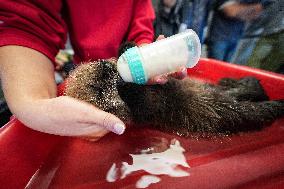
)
(96, 28)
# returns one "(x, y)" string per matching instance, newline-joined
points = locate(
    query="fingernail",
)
(161, 81)
(118, 128)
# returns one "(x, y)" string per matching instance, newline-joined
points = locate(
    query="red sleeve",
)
(141, 28)
(36, 24)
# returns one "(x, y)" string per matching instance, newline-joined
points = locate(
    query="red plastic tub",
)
(249, 160)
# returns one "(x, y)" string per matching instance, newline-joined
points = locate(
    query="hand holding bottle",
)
(141, 64)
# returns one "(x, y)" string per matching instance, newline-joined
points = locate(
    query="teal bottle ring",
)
(134, 61)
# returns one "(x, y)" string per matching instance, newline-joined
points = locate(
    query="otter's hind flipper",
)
(246, 116)
(244, 89)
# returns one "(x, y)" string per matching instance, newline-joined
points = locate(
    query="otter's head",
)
(96, 83)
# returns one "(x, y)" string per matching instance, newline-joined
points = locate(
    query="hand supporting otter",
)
(27, 78)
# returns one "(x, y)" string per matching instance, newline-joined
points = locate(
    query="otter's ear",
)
(124, 46)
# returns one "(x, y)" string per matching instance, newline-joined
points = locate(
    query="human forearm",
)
(25, 75)
(28, 81)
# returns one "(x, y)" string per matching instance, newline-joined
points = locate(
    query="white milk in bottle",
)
(139, 64)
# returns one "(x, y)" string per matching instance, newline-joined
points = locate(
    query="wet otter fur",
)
(180, 106)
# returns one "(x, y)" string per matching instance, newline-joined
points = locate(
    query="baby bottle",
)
(138, 64)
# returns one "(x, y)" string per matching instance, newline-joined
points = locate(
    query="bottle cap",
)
(134, 60)
(194, 49)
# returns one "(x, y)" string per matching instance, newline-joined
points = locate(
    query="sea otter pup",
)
(180, 106)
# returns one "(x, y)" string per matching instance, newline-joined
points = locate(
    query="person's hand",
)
(67, 116)
(28, 83)
(162, 79)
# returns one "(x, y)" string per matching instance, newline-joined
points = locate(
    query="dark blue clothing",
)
(168, 23)
(224, 30)
(222, 50)
(198, 16)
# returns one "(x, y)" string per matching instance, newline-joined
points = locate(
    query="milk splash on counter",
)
(163, 163)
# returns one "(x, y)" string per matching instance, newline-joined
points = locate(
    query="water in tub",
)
(80, 163)
(154, 164)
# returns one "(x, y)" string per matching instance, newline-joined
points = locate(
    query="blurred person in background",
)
(64, 62)
(262, 45)
(171, 17)
(64, 65)
(227, 25)
(198, 16)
